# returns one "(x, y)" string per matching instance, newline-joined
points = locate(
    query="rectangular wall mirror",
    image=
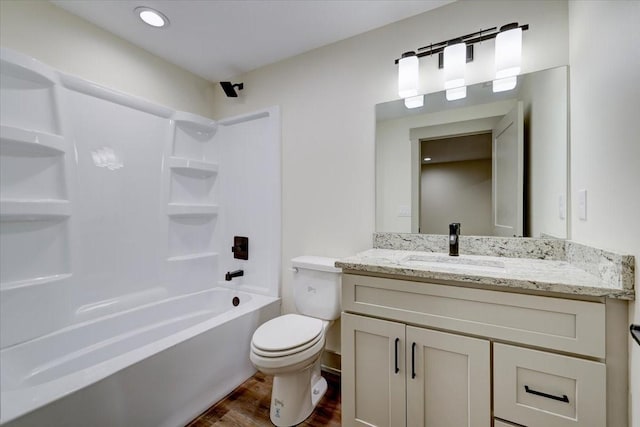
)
(495, 162)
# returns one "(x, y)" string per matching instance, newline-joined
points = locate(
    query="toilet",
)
(289, 347)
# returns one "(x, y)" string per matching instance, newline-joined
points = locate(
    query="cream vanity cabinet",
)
(426, 354)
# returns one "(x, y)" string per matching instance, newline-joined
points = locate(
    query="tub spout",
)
(231, 274)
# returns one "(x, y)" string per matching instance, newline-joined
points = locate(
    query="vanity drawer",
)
(535, 388)
(560, 324)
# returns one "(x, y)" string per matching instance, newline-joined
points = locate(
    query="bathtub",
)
(160, 364)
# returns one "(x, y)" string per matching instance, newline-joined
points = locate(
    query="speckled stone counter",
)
(548, 265)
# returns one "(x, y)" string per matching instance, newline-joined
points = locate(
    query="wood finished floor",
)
(248, 406)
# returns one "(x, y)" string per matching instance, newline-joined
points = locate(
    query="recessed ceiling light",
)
(152, 17)
(427, 159)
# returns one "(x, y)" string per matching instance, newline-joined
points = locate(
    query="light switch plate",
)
(562, 207)
(404, 211)
(582, 204)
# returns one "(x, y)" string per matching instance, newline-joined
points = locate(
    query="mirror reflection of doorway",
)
(456, 178)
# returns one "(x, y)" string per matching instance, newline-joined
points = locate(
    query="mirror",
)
(497, 161)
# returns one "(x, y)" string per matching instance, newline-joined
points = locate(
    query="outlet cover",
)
(562, 207)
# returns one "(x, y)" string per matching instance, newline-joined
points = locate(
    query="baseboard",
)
(331, 362)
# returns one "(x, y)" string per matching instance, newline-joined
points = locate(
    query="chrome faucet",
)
(454, 238)
(231, 274)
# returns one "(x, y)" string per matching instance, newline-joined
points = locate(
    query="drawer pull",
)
(413, 360)
(564, 397)
(397, 369)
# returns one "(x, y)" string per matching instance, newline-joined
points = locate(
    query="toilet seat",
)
(288, 351)
(286, 335)
(293, 362)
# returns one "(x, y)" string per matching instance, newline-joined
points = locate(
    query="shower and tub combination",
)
(118, 217)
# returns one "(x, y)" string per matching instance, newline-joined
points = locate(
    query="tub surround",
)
(116, 217)
(548, 265)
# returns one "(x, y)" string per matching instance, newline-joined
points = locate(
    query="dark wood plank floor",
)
(248, 406)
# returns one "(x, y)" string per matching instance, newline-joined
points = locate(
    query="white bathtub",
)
(160, 364)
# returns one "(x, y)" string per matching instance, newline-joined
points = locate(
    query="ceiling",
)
(220, 39)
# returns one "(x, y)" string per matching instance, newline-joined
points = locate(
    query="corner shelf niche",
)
(16, 141)
(32, 165)
(193, 167)
(193, 137)
(28, 93)
(34, 210)
(34, 243)
(187, 210)
(195, 123)
(193, 256)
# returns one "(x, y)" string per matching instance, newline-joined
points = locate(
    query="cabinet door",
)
(448, 380)
(373, 372)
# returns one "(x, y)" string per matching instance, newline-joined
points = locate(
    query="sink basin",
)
(452, 263)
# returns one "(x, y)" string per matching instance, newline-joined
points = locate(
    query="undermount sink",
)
(443, 261)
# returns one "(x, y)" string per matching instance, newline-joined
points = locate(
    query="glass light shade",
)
(508, 53)
(505, 84)
(456, 93)
(408, 76)
(455, 59)
(414, 101)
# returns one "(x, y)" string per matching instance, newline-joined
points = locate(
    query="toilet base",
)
(294, 396)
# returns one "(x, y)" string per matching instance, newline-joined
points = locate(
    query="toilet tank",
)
(317, 287)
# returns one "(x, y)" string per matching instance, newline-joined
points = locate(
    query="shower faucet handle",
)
(240, 247)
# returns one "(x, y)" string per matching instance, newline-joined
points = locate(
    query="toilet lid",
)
(286, 332)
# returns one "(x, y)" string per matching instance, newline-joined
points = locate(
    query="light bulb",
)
(456, 93)
(152, 17)
(414, 101)
(507, 83)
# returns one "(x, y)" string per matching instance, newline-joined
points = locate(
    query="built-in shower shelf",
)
(34, 210)
(195, 122)
(193, 256)
(24, 67)
(26, 142)
(180, 209)
(199, 167)
(39, 281)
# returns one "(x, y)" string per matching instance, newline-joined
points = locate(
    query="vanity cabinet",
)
(416, 353)
(398, 375)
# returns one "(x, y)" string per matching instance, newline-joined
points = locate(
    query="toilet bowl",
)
(289, 347)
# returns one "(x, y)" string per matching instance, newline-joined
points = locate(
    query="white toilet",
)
(289, 347)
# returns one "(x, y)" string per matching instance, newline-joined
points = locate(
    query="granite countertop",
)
(550, 275)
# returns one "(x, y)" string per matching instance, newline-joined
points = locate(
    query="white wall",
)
(327, 99)
(73, 45)
(605, 144)
(546, 123)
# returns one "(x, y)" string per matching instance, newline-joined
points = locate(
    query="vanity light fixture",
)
(408, 75)
(151, 17)
(508, 57)
(455, 55)
(414, 101)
